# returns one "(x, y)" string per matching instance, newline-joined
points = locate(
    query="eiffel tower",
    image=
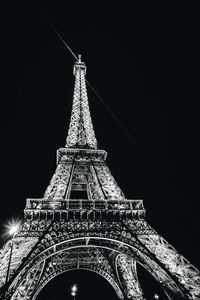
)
(84, 221)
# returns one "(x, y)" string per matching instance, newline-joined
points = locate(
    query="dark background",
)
(142, 62)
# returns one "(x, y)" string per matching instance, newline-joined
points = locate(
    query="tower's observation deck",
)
(40, 209)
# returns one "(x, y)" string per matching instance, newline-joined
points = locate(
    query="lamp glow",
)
(13, 229)
(74, 290)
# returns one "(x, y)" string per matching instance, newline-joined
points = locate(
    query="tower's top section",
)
(81, 133)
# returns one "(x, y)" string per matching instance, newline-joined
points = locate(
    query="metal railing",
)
(84, 204)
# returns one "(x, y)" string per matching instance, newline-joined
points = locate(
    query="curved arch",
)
(125, 267)
(128, 241)
(114, 285)
(106, 243)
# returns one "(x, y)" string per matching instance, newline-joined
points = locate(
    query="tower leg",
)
(27, 285)
(127, 276)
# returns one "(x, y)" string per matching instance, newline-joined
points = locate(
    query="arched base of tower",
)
(90, 285)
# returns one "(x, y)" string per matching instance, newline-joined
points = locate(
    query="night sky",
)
(143, 66)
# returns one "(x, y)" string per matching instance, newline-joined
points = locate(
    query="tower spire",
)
(81, 133)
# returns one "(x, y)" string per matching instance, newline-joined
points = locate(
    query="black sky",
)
(142, 64)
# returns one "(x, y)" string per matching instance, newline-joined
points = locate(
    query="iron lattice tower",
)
(101, 231)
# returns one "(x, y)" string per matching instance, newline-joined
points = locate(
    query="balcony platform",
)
(83, 208)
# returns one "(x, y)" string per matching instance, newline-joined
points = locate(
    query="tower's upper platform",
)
(81, 133)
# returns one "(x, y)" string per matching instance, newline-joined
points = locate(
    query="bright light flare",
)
(74, 289)
(13, 227)
(13, 230)
(156, 296)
